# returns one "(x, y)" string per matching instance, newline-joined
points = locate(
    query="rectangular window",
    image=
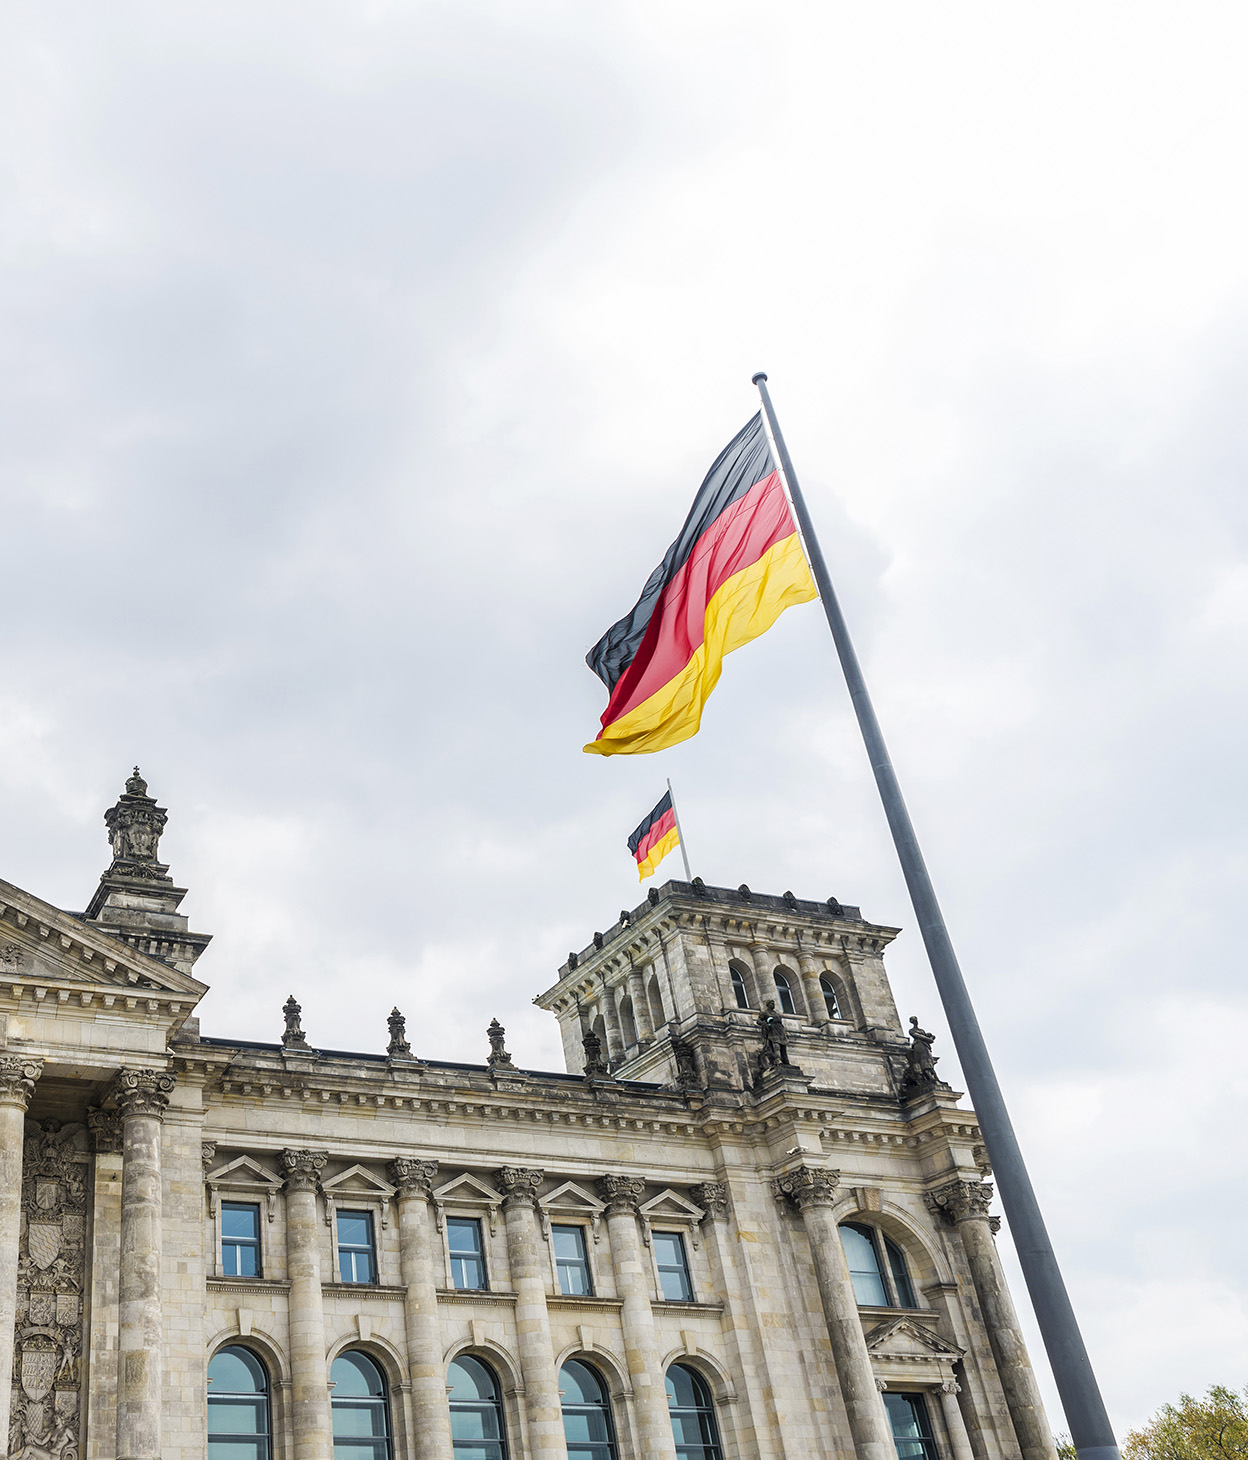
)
(912, 1432)
(240, 1239)
(673, 1265)
(357, 1256)
(572, 1261)
(463, 1240)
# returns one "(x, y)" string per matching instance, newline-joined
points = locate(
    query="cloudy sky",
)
(360, 360)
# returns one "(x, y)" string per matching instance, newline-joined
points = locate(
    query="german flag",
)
(734, 569)
(654, 838)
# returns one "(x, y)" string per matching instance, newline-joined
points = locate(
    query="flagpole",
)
(679, 831)
(1086, 1417)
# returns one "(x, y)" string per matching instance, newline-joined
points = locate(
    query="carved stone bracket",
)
(621, 1193)
(519, 1184)
(104, 1128)
(142, 1092)
(712, 1197)
(208, 1153)
(951, 1386)
(806, 1186)
(18, 1074)
(412, 1177)
(302, 1169)
(960, 1201)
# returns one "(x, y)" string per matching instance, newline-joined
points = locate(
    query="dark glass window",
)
(360, 1408)
(240, 1239)
(357, 1257)
(784, 993)
(693, 1415)
(912, 1431)
(673, 1264)
(463, 1240)
(571, 1260)
(239, 1424)
(829, 997)
(738, 989)
(477, 1431)
(877, 1267)
(587, 1426)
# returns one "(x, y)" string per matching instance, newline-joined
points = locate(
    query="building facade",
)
(749, 1220)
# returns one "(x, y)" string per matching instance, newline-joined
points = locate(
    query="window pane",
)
(237, 1371)
(864, 1267)
(912, 1433)
(901, 1277)
(238, 1406)
(738, 991)
(476, 1411)
(355, 1229)
(829, 998)
(237, 1449)
(693, 1418)
(240, 1220)
(463, 1234)
(784, 993)
(569, 1241)
(359, 1417)
(673, 1265)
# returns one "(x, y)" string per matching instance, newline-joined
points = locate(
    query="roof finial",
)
(136, 785)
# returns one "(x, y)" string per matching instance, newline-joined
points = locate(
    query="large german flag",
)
(657, 835)
(734, 569)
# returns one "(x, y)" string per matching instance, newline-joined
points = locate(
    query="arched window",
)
(361, 1409)
(693, 1415)
(239, 1419)
(877, 1267)
(657, 1016)
(784, 993)
(739, 991)
(476, 1410)
(587, 1426)
(628, 1024)
(829, 997)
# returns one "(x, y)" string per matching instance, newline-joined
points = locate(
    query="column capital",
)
(142, 1092)
(207, 1153)
(807, 1186)
(18, 1074)
(303, 1169)
(712, 1197)
(104, 1128)
(412, 1177)
(621, 1193)
(950, 1386)
(960, 1201)
(520, 1185)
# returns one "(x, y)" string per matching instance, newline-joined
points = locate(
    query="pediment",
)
(903, 1338)
(357, 1181)
(670, 1206)
(467, 1188)
(572, 1198)
(243, 1171)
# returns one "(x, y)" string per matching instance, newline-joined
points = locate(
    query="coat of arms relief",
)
(51, 1280)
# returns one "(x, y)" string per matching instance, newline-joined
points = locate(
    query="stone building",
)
(749, 1221)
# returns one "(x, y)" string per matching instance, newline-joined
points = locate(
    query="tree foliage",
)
(1212, 1428)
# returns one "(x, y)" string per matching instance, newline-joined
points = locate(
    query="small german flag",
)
(734, 569)
(657, 835)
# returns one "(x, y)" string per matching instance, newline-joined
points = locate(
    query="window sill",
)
(584, 1301)
(685, 1305)
(224, 1284)
(886, 1315)
(474, 1295)
(361, 1290)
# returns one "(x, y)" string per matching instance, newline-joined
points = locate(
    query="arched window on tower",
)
(693, 1415)
(360, 1409)
(628, 1025)
(829, 997)
(477, 1431)
(587, 1426)
(739, 991)
(877, 1267)
(657, 1016)
(784, 993)
(239, 1418)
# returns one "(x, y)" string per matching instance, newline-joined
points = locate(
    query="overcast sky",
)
(360, 361)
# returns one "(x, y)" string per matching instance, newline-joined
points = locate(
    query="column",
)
(529, 1269)
(959, 1440)
(641, 1007)
(17, 1082)
(611, 1021)
(965, 1204)
(813, 1193)
(634, 1283)
(309, 1408)
(142, 1096)
(421, 1261)
(816, 1004)
(764, 980)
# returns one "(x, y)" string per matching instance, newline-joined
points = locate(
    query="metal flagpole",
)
(679, 831)
(1081, 1398)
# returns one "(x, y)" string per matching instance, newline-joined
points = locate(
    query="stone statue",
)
(398, 1048)
(921, 1070)
(775, 1050)
(498, 1052)
(134, 828)
(293, 1036)
(687, 1076)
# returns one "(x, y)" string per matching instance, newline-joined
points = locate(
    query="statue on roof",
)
(134, 827)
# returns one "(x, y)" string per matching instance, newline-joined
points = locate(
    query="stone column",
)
(611, 1022)
(634, 1283)
(421, 1261)
(529, 1269)
(642, 1021)
(17, 1082)
(813, 1193)
(311, 1426)
(142, 1096)
(816, 1004)
(965, 1205)
(959, 1440)
(764, 981)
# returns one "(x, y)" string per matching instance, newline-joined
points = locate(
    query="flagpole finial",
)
(754, 379)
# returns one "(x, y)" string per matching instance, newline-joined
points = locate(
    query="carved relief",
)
(142, 1092)
(712, 1197)
(621, 1193)
(303, 1169)
(413, 1177)
(805, 1186)
(51, 1278)
(519, 1185)
(960, 1201)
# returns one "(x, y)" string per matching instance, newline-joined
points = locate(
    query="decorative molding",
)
(142, 1092)
(104, 1130)
(208, 1153)
(302, 1169)
(247, 1178)
(712, 1197)
(960, 1201)
(356, 1184)
(622, 1194)
(807, 1186)
(18, 1074)
(520, 1184)
(571, 1201)
(413, 1177)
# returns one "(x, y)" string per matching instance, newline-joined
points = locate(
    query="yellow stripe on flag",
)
(666, 843)
(744, 607)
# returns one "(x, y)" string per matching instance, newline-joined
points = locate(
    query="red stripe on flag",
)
(665, 823)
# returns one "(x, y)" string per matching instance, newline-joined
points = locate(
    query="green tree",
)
(1212, 1428)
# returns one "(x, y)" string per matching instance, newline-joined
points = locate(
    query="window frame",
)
(611, 1445)
(827, 987)
(884, 1246)
(384, 1403)
(926, 1438)
(780, 977)
(236, 1437)
(713, 1449)
(500, 1408)
(255, 1244)
(686, 1269)
(370, 1217)
(740, 990)
(480, 1254)
(579, 1229)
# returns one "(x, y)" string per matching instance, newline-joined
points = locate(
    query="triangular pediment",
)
(670, 1206)
(903, 1338)
(467, 1188)
(356, 1181)
(572, 1198)
(40, 944)
(243, 1171)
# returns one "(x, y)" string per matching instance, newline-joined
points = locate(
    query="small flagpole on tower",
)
(679, 831)
(1085, 1411)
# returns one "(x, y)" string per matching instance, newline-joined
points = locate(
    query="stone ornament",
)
(950, 1386)
(302, 1169)
(18, 1074)
(712, 1197)
(104, 1130)
(960, 1201)
(520, 1184)
(293, 1036)
(398, 1048)
(920, 1073)
(596, 1068)
(135, 825)
(498, 1053)
(413, 1177)
(208, 1153)
(10, 958)
(622, 1194)
(806, 1186)
(142, 1092)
